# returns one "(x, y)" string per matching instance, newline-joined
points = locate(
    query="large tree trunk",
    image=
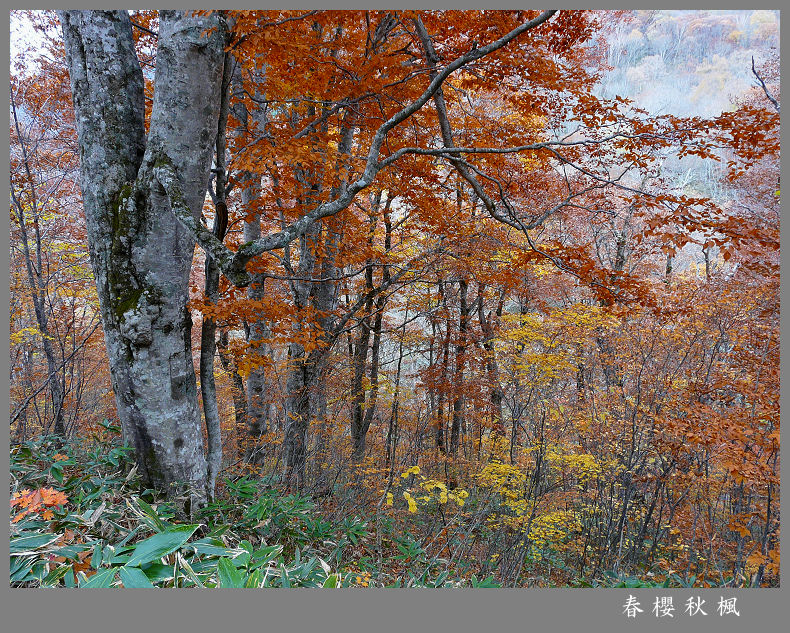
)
(141, 255)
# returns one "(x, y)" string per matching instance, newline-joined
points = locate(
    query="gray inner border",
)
(569, 610)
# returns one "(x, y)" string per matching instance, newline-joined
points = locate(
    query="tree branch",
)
(221, 254)
(372, 166)
(233, 265)
(765, 88)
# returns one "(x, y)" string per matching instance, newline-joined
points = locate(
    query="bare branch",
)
(765, 88)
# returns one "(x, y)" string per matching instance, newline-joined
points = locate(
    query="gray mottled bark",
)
(140, 255)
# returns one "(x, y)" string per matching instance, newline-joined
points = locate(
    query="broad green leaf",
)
(29, 543)
(254, 579)
(134, 578)
(148, 510)
(55, 575)
(157, 572)
(70, 551)
(331, 581)
(22, 572)
(96, 558)
(101, 579)
(265, 554)
(229, 576)
(211, 550)
(161, 544)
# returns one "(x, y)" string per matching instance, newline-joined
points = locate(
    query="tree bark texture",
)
(140, 255)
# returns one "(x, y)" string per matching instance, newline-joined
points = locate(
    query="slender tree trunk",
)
(141, 255)
(440, 439)
(37, 283)
(363, 413)
(208, 345)
(359, 366)
(492, 369)
(392, 430)
(458, 379)
(258, 405)
(297, 406)
(237, 388)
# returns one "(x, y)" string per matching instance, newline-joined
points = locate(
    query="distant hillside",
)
(688, 62)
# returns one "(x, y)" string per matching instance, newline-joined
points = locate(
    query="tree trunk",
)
(359, 360)
(315, 284)
(460, 352)
(297, 406)
(440, 439)
(358, 431)
(208, 330)
(38, 285)
(258, 407)
(492, 369)
(141, 256)
(237, 389)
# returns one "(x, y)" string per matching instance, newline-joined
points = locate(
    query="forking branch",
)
(233, 265)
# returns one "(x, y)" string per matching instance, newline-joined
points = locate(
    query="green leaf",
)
(211, 550)
(134, 578)
(253, 580)
(149, 511)
(484, 584)
(229, 576)
(70, 551)
(331, 581)
(29, 543)
(265, 555)
(96, 558)
(57, 473)
(21, 572)
(190, 572)
(157, 572)
(161, 544)
(101, 579)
